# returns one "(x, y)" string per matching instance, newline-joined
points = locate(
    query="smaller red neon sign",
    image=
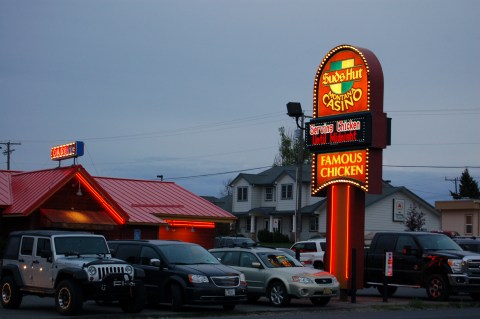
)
(187, 223)
(70, 150)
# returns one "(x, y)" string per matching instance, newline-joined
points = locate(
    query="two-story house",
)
(268, 200)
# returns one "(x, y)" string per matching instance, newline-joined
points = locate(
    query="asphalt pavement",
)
(367, 300)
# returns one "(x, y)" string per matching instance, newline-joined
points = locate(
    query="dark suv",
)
(182, 273)
(221, 242)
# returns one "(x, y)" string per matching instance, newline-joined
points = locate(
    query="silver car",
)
(278, 276)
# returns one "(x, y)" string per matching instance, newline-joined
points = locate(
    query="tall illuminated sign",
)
(346, 136)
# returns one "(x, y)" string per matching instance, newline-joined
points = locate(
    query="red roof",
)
(163, 199)
(28, 190)
(5, 189)
(138, 201)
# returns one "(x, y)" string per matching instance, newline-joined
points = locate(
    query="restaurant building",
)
(70, 198)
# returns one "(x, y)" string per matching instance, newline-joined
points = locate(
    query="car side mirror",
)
(155, 262)
(256, 264)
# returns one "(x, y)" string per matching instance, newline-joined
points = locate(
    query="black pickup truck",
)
(422, 260)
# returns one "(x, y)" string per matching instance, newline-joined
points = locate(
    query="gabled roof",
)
(135, 201)
(271, 175)
(162, 199)
(388, 190)
(28, 190)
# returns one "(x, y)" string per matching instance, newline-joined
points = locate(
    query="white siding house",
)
(268, 201)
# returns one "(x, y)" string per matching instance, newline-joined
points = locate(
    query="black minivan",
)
(182, 273)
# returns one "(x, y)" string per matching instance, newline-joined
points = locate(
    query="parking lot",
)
(37, 308)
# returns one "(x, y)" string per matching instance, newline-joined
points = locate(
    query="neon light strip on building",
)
(110, 210)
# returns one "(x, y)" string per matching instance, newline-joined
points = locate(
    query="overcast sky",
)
(184, 88)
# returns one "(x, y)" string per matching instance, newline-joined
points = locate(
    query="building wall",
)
(242, 206)
(454, 214)
(203, 236)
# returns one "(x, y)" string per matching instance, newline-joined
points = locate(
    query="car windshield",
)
(187, 254)
(438, 242)
(81, 245)
(277, 260)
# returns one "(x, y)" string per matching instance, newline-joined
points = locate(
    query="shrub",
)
(266, 236)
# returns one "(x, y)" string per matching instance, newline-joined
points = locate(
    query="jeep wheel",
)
(135, 303)
(176, 297)
(277, 294)
(11, 296)
(437, 288)
(68, 297)
(321, 301)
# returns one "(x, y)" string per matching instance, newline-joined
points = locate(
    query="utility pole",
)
(455, 180)
(9, 151)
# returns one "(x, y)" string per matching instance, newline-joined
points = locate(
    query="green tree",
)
(468, 187)
(289, 149)
(415, 219)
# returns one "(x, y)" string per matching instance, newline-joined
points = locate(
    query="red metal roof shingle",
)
(5, 189)
(164, 199)
(139, 201)
(30, 189)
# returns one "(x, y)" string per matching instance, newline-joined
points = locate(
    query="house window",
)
(269, 194)
(242, 194)
(313, 223)
(287, 191)
(468, 224)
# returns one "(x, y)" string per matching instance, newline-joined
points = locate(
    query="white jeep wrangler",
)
(72, 267)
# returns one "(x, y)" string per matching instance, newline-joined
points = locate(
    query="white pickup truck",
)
(311, 252)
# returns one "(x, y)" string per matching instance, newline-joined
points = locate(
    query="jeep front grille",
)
(103, 271)
(226, 281)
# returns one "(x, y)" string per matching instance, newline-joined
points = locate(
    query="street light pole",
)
(295, 110)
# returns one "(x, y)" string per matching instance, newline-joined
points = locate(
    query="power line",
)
(429, 166)
(222, 173)
(263, 167)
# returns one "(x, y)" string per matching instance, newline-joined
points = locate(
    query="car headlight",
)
(129, 270)
(303, 280)
(242, 278)
(92, 271)
(197, 279)
(456, 265)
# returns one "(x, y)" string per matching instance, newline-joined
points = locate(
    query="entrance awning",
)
(77, 219)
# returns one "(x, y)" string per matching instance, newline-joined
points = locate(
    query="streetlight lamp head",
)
(294, 109)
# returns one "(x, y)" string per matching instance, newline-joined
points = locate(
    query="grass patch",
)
(417, 304)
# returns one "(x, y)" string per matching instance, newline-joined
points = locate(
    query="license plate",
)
(327, 291)
(229, 292)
